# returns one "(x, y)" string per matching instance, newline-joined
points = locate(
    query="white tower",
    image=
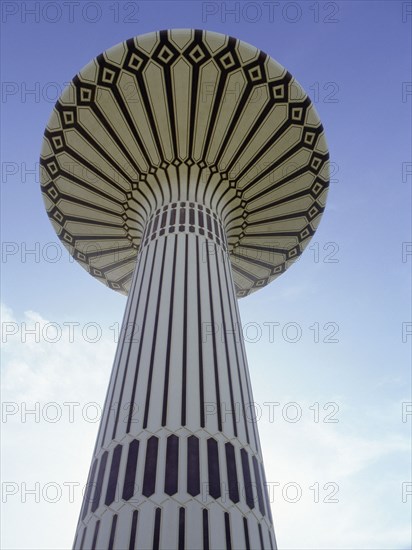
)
(185, 169)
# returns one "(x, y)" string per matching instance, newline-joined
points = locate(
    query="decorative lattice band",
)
(185, 217)
(242, 480)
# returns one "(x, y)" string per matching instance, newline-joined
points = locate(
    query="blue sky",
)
(354, 61)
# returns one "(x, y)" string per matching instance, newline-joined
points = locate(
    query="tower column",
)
(177, 461)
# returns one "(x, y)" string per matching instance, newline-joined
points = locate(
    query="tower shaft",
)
(177, 461)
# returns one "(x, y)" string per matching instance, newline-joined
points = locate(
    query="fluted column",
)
(177, 462)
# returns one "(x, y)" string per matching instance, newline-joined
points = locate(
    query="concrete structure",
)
(186, 169)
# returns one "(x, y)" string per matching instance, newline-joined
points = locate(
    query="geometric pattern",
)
(178, 449)
(113, 490)
(192, 116)
(184, 217)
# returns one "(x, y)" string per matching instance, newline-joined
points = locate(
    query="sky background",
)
(337, 443)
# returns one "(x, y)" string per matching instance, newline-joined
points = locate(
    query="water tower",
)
(185, 169)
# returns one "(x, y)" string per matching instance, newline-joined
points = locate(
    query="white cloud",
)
(367, 470)
(334, 462)
(43, 376)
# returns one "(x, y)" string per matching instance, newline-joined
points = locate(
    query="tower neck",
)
(185, 217)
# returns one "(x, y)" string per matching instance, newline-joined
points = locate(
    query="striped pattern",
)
(225, 473)
(185, 115)
(201, 321)
(135, 530)
(176, 442)
(225, 479)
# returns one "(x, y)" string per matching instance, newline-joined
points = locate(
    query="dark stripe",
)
(156, 534)
(252, 131)
(270, 540)
(274, 165)
(144, 234)
(89, 489)
(99, 482)
(114, 473)
(182, 529)
(193, 473)
(232, 296)
(182, 215)
(112, 532)
(229, 293)
(247, 479)
(222, 235)
(215, 360)
(227, 531)
(283, 200)
(213, 468)
(169, 336)
(149, 480)
(152, 355)
(254, 261)
(246, 274)
(141, 86)
(254, 161)
(172, 465)
(141, 338)
(106, 251)
(258, 486)
(149, 228)
(261, 537)
(82, 161)
(245, 369)
(109, 158)
(80, 202)
(205, 529)
(129, 479)
(156, 222)
(246, 531)
(113, 134)
(209, 222)
(199, 336)
(185, 306)
(193, 98)
(134, 316)
(216, 228)
(95, 535)
(266, 494)
(169, 93)
(222, 312)
(243, 100)
(231, 472)
(217, 101)
(130, 122)
(83, 537)
(133, 530)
